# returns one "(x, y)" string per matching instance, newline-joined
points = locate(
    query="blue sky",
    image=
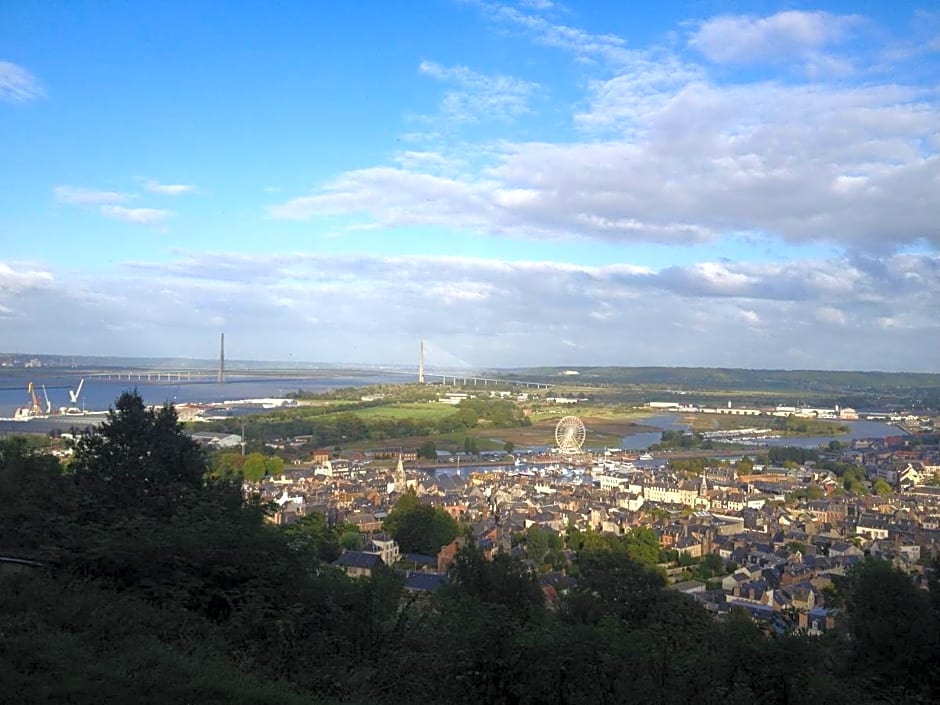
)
(528, 183)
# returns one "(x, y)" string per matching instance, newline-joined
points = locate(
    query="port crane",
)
(48, 403)
(74, 395)
(36, 408)
(73, 398)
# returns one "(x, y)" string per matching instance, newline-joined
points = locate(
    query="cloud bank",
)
(856, 313)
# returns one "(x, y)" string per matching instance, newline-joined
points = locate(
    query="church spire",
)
(400, 475)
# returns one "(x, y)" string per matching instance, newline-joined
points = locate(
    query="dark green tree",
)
(503, 581)
(428, 450)
(710, 566)
(539, 543)
(35, 501)
(642, 545)
(420, 527)
(611, 583)
(351, 540)
(312, 537)
(893, 630)
(138, 462)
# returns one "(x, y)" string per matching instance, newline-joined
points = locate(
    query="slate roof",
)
(558, 580)
(688, 586)
(420, 559)
(358, 559)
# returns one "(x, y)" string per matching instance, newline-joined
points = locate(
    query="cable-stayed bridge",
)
(453, 371)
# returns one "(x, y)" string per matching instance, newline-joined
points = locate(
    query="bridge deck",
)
(204, 375)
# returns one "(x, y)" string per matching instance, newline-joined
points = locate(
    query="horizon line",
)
(370, 365)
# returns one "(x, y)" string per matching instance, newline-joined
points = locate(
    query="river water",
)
(674, 422)
(665, 422)
(99, 395)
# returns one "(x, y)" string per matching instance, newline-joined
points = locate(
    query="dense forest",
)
(159, 584)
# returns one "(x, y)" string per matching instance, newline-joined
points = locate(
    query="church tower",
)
(400, 482)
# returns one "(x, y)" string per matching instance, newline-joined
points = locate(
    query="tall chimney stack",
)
(421, 364)
(222, 360)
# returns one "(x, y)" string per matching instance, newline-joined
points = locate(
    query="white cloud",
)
(459, 292)
(17, 84)
(139, 216)
(429, 161)
(749, 317)
(805, 163)
(639, 91)
(540, 5)
(19, 282)
(401, 196)
(587, 46)
(86, 196)
(14, 281)
(168, 189)
(522, 312)
(108, 204)
(785, 36)
(478, 96)
(830, 315)
(716, 278)
(672, 156)
(499, 313)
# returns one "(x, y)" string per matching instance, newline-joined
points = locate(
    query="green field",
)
(420, 411)
(323, 403)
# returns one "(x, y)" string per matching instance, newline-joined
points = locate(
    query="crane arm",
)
(37, 407)
(78, 392)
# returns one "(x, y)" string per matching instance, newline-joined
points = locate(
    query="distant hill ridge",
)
(680, 378)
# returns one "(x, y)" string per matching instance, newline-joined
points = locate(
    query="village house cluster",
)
(778, 548)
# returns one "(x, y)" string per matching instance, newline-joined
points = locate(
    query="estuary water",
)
(664, 422)
(674, 422)
(99, 395)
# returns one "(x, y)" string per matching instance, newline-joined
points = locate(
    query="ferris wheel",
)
(569, 435)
